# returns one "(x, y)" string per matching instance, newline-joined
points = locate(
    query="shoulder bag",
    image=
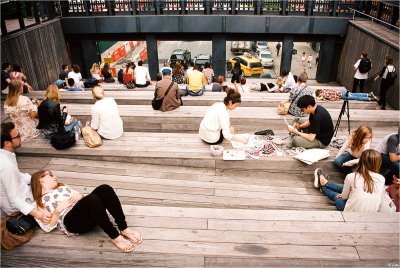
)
(284, 106)
(91, 137)
(157, 103)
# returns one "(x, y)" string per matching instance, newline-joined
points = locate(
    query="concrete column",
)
(325, 63)
(89, 56)
(287, 48)
(219, 54)
(152, 55)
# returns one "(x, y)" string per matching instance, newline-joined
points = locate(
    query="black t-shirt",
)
(321, 124)
(63, 74)
(4, 76)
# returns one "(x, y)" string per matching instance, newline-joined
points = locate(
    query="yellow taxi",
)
(250, 65)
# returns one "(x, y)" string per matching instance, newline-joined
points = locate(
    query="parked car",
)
(201, 59)
(250, 65)
(265, 57)
(262, 45)
(182, 55)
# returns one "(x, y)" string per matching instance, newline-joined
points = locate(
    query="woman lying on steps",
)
(351, 150)
(75, 213)
(362, 189)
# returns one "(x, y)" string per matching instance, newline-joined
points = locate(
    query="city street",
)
(166, 48)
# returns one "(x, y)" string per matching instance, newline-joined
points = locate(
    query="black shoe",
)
(383, 108)
(317, 174)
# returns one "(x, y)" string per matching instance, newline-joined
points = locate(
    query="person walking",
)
(278, 47)
(388, 75)
(362, 66)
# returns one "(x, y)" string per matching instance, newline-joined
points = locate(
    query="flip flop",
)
(132, 236)
(124, 245)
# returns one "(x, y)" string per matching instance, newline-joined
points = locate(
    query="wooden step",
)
(252, 99)
(239, 236)
(172, 149)
(245, 119)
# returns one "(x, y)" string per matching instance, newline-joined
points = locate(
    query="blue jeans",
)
(197, 93)
(354, 96)
(346, 156)
(331, 190)
(389, 165)
(71, 126)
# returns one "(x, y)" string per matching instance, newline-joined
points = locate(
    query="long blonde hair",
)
(358, 136)
(37, 187)
(53, 93)
(14, 91)
(95, 68)
(370, 160)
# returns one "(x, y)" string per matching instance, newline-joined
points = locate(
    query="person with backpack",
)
(388, 75)
(278, 47)
(362, 67)
(236, 73)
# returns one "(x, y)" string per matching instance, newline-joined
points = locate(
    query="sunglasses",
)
(16, 137)
(48, 173)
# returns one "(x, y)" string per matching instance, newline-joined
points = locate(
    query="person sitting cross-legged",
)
(362, 190)
(76, 213)
(318, 130)
(389, 148)
(105, 115)
(196, 82)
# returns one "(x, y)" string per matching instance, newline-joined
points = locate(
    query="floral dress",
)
(179, 79)
(19, 115)
(295, 95)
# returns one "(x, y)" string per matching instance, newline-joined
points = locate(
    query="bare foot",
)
(322, 180)
(133, 236)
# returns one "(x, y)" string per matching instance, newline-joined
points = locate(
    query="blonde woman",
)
(95, 72)
(362, 190)
(76, 213)
(51, 118)
(21, 111)
(351, 150)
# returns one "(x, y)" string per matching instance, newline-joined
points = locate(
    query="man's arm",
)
(95, 120)
(307, 136)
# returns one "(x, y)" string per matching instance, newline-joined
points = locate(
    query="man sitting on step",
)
(317, 131)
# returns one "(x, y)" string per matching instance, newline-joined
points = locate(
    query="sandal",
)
(124, 245)
(133, 237)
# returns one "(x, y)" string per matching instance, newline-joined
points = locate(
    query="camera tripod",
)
(345, 110)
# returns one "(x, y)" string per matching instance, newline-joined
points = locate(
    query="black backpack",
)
(365, 65)
(63, 140)
(236, 72)
(391, 76)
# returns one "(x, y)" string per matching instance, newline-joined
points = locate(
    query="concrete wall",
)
(40, 50)
(359, 40)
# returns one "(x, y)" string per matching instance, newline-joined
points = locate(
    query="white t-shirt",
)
(288, 81)
(142, 75)
(359, 200)
(391, 68)
(76, 76)
(359, 75)
(309, 58)
(106, 119)
(216, 119)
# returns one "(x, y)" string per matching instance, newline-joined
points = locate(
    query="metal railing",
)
(386, 12)
(373, 19)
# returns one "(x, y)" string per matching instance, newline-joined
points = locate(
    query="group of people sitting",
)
(46, 117)
(9, 74)
(364, 186)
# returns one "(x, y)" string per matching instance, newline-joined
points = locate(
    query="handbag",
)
(10, 240)
(284, 106)
(91, 137)
(130, 85)
(156, 103)
(20, 224)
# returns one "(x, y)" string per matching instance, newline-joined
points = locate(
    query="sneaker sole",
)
(316, 179)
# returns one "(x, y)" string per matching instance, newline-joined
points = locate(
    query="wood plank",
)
(235, 214)
(371, 217)
(379, 253)
(166, 222)
(298, 226)
(271, 238)
(289, 262)
(102, 243)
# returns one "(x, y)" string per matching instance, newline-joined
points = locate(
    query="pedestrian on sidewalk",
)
(278, 47)
(309, 61)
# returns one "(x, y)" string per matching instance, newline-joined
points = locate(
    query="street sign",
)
(108, 60)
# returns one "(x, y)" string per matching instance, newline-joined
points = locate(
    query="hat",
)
(166, 71)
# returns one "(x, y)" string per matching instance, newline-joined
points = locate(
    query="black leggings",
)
(220, 140)
(356, 82)
(90, 211)
(384, 88)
